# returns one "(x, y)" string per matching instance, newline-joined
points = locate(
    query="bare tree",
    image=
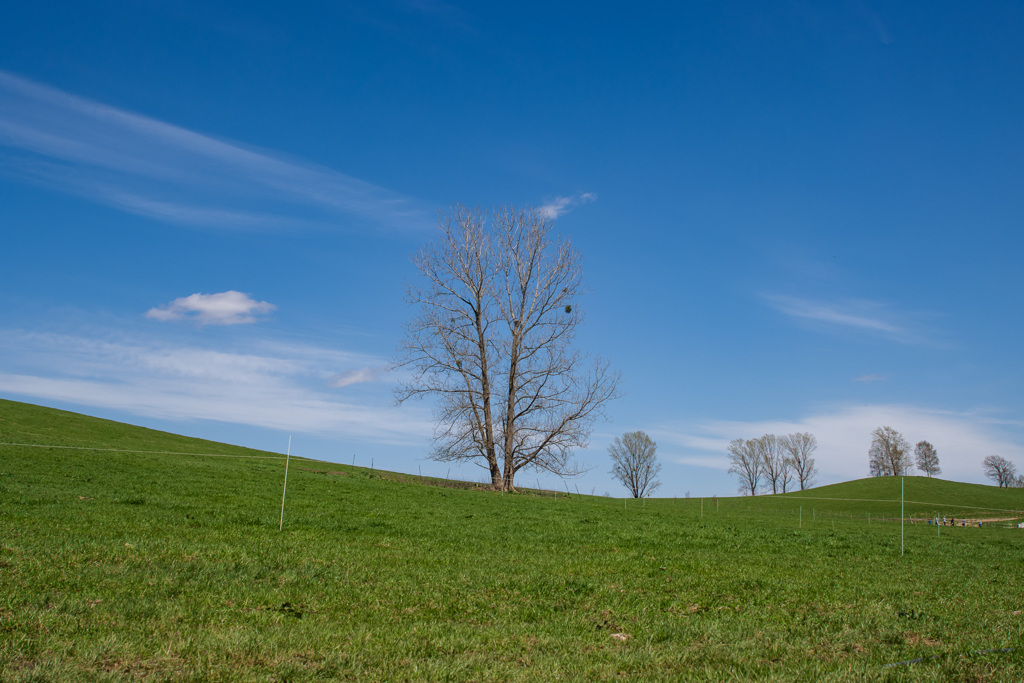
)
(745, 462)
(1000, 470)
(800, 447)
(492, 341)
(889, 455)
(777, 468)
(927, 459)
(635, 464)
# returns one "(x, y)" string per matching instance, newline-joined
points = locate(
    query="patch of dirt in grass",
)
(530, 642)
(309, 658)
(831, 651)
(130, 669)
(912, 638)
(336, 473)
(606, 622)
(688, 609)
(246, 659)
(22, 663)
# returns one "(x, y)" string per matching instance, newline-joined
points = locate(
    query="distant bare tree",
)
(491, 339)
(801, 447)
(889, 455)
(635, 464)
(1000, 470)
(927, 459)
(745, 462)
(775, 461)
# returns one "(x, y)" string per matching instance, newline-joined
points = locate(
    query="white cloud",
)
(869, 317)
(356, 377)
(867, 379)
(962, 439)
(848, 315)
(225, 308)
(151, 168)
(271, 385)
(560, 205)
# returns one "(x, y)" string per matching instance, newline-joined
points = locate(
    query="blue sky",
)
(793, 216)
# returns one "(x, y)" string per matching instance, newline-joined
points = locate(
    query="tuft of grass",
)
(145, 566)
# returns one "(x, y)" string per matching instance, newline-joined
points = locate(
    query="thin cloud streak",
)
(868, 317)
(278, 386)
(800, 308)
(151, 168)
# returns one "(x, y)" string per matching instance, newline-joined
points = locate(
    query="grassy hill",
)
(161, 566)
(880, 497)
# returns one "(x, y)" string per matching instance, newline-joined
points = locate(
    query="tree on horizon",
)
(927, 459)
(496, 314)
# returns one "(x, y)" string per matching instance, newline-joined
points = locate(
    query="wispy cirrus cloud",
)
(280, 386)
(859, 314)
(867, 379)
(357, 376)
(869, 317)
(225, 308)
(151, 168)
(561, 205)
(962, 438)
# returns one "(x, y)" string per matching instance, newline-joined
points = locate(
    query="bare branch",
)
(635, 464)
(491, 340)
(889, 455)
(801, 447)
(927, 459)
(1000, 470)
(745, 462)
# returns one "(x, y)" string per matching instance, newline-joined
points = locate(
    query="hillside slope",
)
(32, 424)
(151, 566)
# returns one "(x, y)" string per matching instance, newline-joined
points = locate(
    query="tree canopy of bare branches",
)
(801, 447)
(496, 312)
(774, 462)
(635, 463)
(745, 462)
(889, 454)
(1000, 470)
(926, 458)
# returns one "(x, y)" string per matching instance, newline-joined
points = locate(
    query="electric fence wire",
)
(132, 450)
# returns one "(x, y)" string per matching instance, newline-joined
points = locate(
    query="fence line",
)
(897, 500)
(131, 450)
(858, 500)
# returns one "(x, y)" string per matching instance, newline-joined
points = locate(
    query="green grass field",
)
(141, 566)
